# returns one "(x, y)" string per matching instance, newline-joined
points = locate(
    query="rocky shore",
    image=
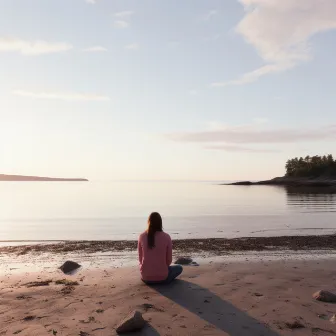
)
(216, 246)
(291, 181)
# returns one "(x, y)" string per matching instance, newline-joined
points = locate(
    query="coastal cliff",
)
(19, 178)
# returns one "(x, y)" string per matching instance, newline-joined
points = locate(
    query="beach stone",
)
(325, 296)
(183, 261)
(69, 266)
(133, 322)
(295, 325)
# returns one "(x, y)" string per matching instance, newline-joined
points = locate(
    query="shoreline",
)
(328, 183)
(216, 246)
(26, 178)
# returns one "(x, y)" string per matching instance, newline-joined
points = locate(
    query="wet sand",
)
(227, 298)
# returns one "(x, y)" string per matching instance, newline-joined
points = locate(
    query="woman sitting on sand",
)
(155, 254)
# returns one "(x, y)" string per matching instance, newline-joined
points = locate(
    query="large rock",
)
(133, 322)
(325, 296)
(69, 267)
(183, 261)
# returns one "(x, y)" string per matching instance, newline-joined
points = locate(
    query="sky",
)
(173, 90)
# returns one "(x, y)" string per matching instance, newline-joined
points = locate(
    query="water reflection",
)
(312, 199)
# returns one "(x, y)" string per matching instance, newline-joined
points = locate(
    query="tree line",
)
(311, 166)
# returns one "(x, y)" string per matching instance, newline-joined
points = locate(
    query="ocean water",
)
(37, 211)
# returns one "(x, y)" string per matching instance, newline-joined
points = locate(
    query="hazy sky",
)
(192, 89)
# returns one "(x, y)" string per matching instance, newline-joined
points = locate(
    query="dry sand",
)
(247, 299)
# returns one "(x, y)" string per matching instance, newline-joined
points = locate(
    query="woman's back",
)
(154, 262)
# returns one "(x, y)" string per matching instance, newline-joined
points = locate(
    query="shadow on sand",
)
(211, 308)
(147, 331)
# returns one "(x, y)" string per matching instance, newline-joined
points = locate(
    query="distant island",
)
(319, 171)
(22, 178)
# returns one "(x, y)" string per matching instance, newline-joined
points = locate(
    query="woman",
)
(155, 254)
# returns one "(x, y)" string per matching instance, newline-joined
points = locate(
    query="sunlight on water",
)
(119, 210)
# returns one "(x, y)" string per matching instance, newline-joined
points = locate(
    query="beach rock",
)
(325, 296)
(133, 322)
(69, 266)
(295, 325)
(183, 261)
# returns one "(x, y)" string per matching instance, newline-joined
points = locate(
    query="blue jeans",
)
(173, 272)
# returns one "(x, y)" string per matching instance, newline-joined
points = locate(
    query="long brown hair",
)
(154, 225)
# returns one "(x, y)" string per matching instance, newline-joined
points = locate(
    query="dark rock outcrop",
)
(183, 261)
(292, 181)
(69, 267)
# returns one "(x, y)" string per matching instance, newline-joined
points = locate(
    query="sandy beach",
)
(224, 298)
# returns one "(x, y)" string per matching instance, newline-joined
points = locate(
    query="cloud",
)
(124, 14)
(231, 148)
(193, 92)
(121, 24)
(132, 46)
(32, 48)
(122, 21)
(92, 2)
(95, 49)
(256, 74)
(210, 14)
(254, 134)
(280, 31)
(61, 96)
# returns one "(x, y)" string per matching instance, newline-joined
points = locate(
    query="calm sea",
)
(119, 210)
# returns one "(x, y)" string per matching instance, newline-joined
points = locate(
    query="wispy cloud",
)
(32, 48)
(92, 2)
(95, 49)
(132, 46)
(210, 14)
(280, 31)
(193, 92)
(231, 148)
(121, 24)
(256, 74)
(61, 96)
(123, 19)
(124, 14)
(255, 134)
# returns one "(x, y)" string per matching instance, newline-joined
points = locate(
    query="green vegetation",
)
(312, 166)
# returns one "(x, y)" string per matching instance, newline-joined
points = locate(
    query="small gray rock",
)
(183, 261)
(325, 296)
(133, 322)
(69, 267)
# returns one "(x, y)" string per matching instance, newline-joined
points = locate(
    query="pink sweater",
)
(154, 262)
